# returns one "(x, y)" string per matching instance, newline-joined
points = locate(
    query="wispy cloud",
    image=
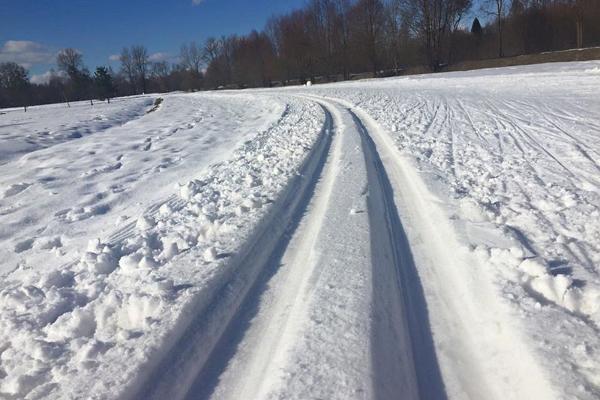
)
(26, 53)
(42, 79)
(196, 2)
(156, 57)
(114, 57)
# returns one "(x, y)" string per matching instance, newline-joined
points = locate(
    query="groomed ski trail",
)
(478, 342)
(330, 318)
(347, 302)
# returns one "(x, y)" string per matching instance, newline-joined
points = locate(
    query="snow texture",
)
(80, 318)
(434, 235)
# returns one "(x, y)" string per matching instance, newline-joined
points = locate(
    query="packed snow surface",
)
(432, 236)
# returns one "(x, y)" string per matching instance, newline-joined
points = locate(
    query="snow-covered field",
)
(433, 236)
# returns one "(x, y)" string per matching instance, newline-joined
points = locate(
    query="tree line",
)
(326, 40)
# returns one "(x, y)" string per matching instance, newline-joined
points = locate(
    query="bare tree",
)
(211, 50)
(191, 57)
(160, 69)
(579, 23)
(227, 46)
(432, 20)
(128, 68)
(397, 35)
(160, 74)
(498, 9)
(342, 8)
(326, 32)
(253, 57)
(141, 62)
(370, 24)
(581, 7)
(70, 61)
(296, 45)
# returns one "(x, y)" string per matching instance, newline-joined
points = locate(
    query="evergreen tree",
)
(476, 27)
(104, 83)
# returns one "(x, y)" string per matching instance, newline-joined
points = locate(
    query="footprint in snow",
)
(147, 145)
(16, 189)
(24, 245)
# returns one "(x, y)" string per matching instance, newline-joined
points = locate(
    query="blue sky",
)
(32, 31)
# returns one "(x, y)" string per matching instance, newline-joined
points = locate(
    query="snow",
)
(431, 235)
(513, 155)
(22, 133)
(113, 290)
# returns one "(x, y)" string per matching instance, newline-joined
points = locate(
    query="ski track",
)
(520, 186)
(341, 283)
(328, 293)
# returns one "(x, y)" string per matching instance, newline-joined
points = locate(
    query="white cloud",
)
(156, 57)
(196, 2)
(42, 79)
(26, 53)
(114, 57)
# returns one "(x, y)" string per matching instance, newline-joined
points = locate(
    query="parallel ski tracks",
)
(338, 294)
(335, 308)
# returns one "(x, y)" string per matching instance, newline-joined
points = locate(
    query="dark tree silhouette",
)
(328, 40)
(79, 85)
(104, 83)
(14, 85)
(476, 28)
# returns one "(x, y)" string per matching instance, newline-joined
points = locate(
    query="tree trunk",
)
(500, 47)
(579, 26)
(499, 14)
